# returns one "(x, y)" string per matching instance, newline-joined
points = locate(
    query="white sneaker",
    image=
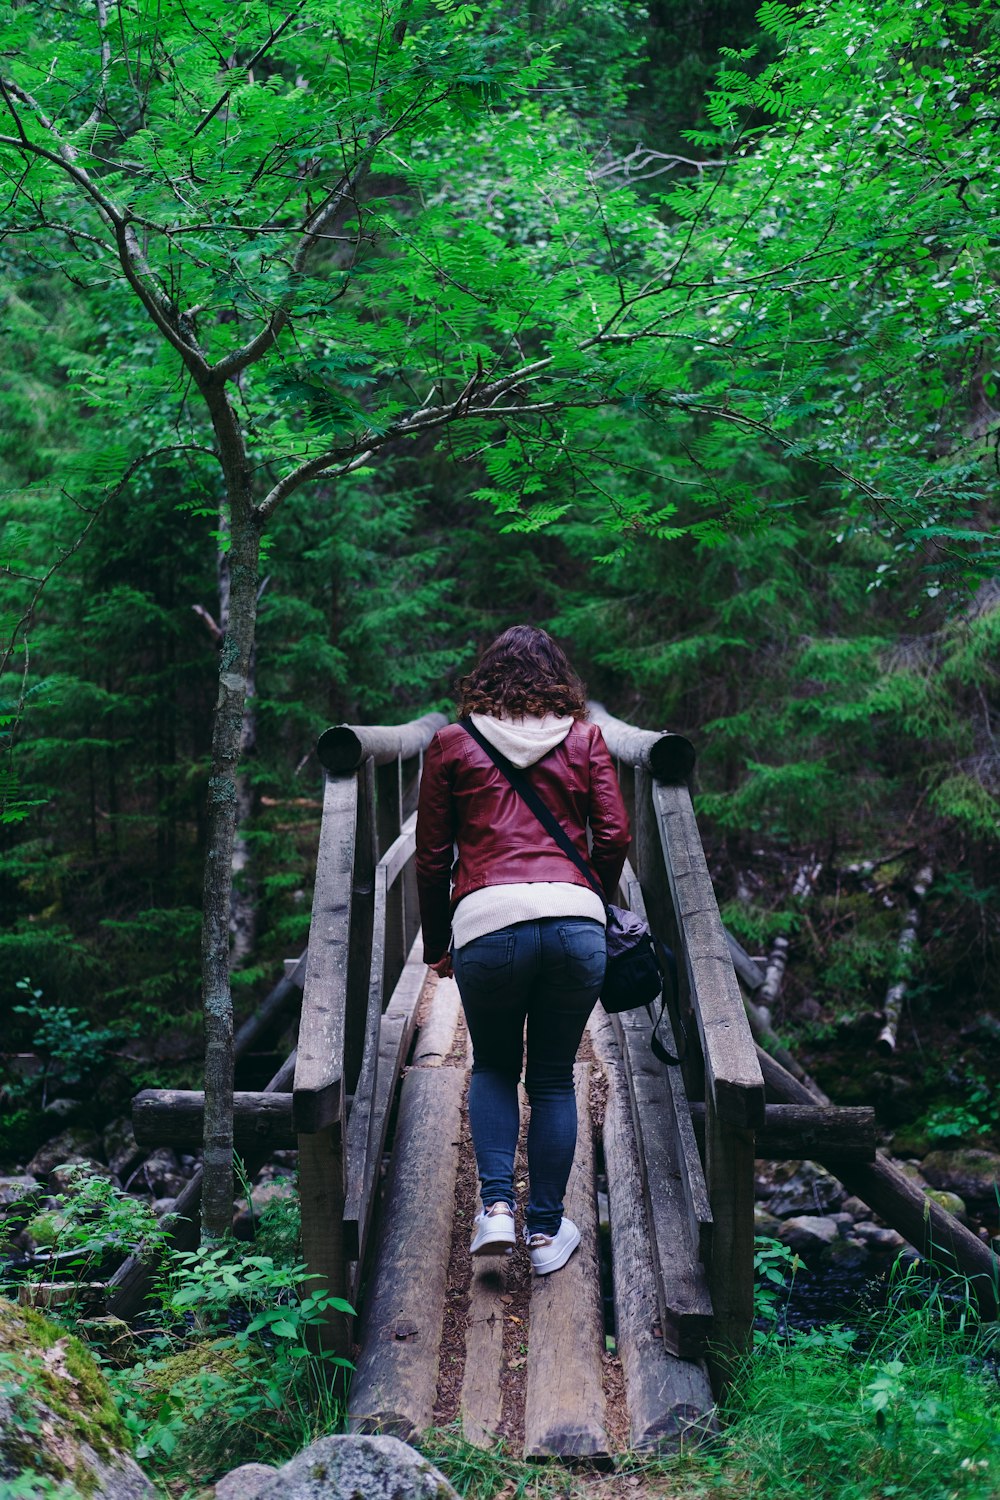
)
(550, 1252)
(494, 1231)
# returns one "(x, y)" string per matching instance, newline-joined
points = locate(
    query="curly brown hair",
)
(522, 672)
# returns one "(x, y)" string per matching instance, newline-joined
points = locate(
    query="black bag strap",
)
(528, 794)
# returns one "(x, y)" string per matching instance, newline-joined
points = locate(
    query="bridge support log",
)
(175, 1117)
(668, 1398)
(682, 1288)
(395, 1382)
(928, 1227)
(793, 1131)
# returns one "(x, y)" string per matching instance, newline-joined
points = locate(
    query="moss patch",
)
(62, 1400)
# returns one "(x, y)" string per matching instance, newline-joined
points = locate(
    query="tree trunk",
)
(234, 665)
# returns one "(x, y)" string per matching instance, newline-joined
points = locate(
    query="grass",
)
(916, 1416)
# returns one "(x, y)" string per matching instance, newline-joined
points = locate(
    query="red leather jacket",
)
(465, 800)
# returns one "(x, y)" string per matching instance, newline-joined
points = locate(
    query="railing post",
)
(721, 1063)
(389, 786)
(318, 1101)
(729, 1176)
(734, 1087)
(652, 871)
(409, 786)
(360, 947)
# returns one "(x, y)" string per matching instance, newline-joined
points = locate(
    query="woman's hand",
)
(443, 967)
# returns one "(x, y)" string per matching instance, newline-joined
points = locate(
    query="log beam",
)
(175, 1117)
(792, 1132)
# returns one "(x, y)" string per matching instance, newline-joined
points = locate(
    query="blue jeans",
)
(550, 972)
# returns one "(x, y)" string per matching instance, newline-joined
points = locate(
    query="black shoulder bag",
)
(634, 976)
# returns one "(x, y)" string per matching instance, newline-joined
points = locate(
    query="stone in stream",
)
(17, 1194)
(121, 1148)
(797, 1187)
(161, 1174)
(808, 1232)
(66, 1178)
(950, 1202)
(342, 1468)
(62, 1109)
(879, 1236)
(971, 1173)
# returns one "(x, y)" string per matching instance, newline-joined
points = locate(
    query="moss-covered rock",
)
(973, 1174)
(57, 1418)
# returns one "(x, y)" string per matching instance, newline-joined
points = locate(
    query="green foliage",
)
(774, 1268)
(91, 1225)
(71, 1049)
(917, 1413)
(975, 1112)
(221, 1397)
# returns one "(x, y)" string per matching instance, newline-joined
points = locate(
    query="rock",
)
(911, 1169)
(950, 1202)
(17, 1193)
(808, 1232)
(62, 1108)
(910, 1140)
(879, 1236)
(972, 1173)
(765, 1225)
(343, 1468)
(802, 1187)
(74, 1144)
(113, 1337)
(121, 1148)
(855, 1208)
(244, 1483)
(58, 1422)
(161, 1206)
(161, 1174)
(845, 1255)
(808, 1010)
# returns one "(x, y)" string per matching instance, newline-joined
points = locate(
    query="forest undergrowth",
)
(220, 1372)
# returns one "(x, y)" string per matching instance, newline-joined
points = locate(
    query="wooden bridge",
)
(380, 1076)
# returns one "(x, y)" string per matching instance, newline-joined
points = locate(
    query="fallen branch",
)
(891, 1010)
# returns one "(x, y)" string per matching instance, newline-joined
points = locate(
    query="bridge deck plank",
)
(564, 1401)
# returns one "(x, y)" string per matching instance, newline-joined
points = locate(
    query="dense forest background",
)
(774, 537)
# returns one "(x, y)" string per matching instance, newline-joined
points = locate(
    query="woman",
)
(525, 928)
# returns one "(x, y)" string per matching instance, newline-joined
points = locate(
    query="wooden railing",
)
(351, 1042)
(719, 1058)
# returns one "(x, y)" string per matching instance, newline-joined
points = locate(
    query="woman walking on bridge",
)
(515, 919)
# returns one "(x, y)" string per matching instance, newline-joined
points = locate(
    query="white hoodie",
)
(523, 741)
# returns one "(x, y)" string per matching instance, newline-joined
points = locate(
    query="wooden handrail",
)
(343, 747)
(670, 757)
(732, 1072)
